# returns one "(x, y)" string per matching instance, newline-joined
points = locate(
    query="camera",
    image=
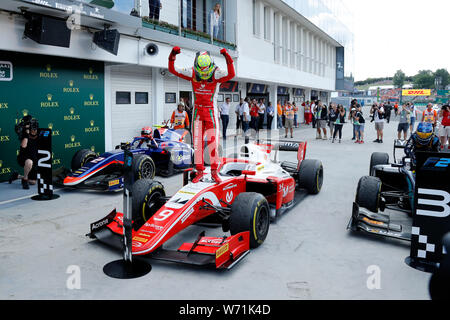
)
(24, 126)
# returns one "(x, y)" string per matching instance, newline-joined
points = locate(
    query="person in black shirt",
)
(387, 110)
(339, 123)
(322, 119)
(332, 116)
(28, 154)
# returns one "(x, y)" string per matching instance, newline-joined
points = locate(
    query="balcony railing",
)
(185, 32)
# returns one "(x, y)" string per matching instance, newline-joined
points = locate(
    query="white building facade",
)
(282, 51)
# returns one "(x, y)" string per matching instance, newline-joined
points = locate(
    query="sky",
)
(410, 35)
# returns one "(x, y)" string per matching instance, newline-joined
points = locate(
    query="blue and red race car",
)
(163, 152)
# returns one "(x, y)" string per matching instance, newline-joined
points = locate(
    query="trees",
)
(399, 79)
(424, 80)
(445, 77)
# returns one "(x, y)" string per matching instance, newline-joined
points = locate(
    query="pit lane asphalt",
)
(308, 253)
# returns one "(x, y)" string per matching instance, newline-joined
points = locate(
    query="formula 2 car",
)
(255, 189)
(390, 189)
(163, 153)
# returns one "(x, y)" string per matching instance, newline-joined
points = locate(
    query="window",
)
(266, 23)
(254, 17)
(141, 98)
(275, 39)
(171, 97)
(284, 43)
(123, 97)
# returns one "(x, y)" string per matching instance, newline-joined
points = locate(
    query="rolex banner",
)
(431, 217)
(64, 95)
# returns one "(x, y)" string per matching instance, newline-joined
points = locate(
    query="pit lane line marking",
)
(18, 199)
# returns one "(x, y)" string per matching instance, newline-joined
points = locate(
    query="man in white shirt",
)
(224, 111)
(261, 112)
(378, 116)
(245, 113)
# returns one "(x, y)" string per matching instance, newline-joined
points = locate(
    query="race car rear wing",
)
(398, 144)
(286, 145)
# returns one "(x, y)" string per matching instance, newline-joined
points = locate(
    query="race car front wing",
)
(217, 252)
(376, 223)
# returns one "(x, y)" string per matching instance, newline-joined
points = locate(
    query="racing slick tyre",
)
(377, 158)
(143, 167)
(250, 212)
(310, 175)
(146, 200)
(81, 157)
(368, 193)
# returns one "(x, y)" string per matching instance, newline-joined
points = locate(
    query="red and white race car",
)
(255, 189)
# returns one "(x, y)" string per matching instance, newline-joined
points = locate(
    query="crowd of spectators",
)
(328, 121)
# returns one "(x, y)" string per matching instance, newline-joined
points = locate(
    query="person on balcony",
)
(214, 19)
(154, 8)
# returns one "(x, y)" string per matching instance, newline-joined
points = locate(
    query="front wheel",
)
(81, 157)
(368, 193)
(147, 196)
(143, 167)
(250, 212)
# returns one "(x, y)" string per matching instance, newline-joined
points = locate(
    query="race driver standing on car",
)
(206, 78)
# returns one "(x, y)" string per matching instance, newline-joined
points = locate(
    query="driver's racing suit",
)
(205, 114)
(412, 146)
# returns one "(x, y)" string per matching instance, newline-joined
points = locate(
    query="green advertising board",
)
(66, 95)
(443, 96)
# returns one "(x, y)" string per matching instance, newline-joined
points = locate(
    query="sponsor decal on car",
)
(223, 249)
(154, 226)
(379, 223)
(229, 186)
(140, 239)
(113, 182)
(229, 197)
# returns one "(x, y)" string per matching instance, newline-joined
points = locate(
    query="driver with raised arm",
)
(206, 78)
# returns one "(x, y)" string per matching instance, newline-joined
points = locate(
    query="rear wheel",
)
(169, 170)
(310, 176)
(81, 157)
(368, 193)
(250, 212)
(376, 159)
(146, 200)
(143, 167)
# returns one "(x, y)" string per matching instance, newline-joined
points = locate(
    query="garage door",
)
(173, 86)
(131, 101)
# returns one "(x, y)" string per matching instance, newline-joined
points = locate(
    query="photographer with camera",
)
(378, 116)
(27, 132)
(444, 127)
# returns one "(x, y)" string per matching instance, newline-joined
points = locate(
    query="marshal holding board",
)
(44, 166)
(431, 217)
